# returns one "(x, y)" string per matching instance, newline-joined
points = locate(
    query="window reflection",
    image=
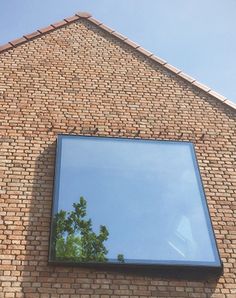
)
(182, 241)
(144, 202)
(74, 238)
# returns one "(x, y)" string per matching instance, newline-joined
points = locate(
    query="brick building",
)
(80, 77)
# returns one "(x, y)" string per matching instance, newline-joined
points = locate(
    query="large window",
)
(127, 201)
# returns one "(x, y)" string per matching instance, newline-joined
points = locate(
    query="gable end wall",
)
(81, 80)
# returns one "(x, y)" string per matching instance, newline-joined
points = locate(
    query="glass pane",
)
(130, 201)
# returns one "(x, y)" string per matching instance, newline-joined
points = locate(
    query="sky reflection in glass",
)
(148, 194)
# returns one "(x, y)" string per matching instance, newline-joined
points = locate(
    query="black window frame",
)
(188, 271)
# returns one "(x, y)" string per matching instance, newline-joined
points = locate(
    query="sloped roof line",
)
(138, 48)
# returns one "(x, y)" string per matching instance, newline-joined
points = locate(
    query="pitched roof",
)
(85, 15)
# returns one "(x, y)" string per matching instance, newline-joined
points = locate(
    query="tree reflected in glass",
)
(74, 239)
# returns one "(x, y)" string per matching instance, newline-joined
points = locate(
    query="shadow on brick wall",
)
(35, 273)
(38, 278)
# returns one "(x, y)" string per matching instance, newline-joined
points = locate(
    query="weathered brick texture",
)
(79, 79)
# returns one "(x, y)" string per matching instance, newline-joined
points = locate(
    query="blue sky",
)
(146, 193)
(197, 36)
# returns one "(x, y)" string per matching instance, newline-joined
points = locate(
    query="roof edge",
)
(85, 15)
(25, 38)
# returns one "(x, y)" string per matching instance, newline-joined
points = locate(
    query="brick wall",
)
(79, 79)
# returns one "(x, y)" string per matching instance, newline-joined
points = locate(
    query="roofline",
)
(138, 48)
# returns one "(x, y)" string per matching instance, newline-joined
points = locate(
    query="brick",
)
(84, 14)
(105, 28)
(59, 24)
(118, 35)
(201, 86)
(131, 43)
(145, 52)
(94, 21)
(157, 59)
(186, 77)
(172, 68)
(72, 19)
(230, 104)
(32, 35)
(217, 95)
(5, 47)
(18, 41)
(46, 29)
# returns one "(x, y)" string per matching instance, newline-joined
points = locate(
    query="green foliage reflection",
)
(74, 239)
